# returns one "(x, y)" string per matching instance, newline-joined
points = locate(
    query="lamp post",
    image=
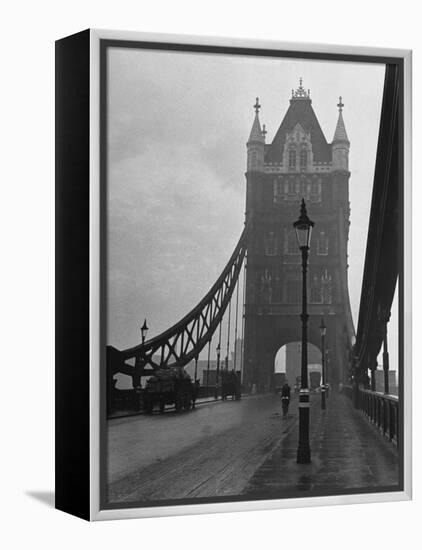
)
(137, 376)
(326, 373)
(218, 370)
(384, 317)
(144, 330)
(303, 227)
(323, 330)
(196, 369)
(208, 370)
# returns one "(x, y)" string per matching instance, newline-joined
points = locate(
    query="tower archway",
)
(288, 361)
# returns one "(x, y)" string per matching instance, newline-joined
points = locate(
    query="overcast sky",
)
(178, 126)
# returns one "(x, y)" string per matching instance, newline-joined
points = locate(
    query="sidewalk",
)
(348, 454)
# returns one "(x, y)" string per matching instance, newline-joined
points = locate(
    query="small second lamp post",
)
(303, 227)
(323, 330)
(136, 380)
(217, 373)
(144, 330)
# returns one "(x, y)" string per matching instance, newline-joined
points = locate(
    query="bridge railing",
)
(382, 410)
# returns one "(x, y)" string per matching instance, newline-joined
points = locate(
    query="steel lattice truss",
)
(183, 342)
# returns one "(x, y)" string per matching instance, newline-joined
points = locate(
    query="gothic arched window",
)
(326, 288)
(294, 291)
(292, 246)
(280, 188)
(266, 287)
(276, 295)
(322, 244)
(303, 158)
(315, 192)
(292, 187)
(316, 290)
(270, 244)
(292, 158)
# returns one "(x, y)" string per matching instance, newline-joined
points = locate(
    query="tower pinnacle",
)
(256, 132)
(340, 134)
(341, 143)
(300, 92)
(256, 142)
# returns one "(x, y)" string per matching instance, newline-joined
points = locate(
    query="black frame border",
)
(72, 273)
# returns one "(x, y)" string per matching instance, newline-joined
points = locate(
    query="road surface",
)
(247, 448)
(211, 451)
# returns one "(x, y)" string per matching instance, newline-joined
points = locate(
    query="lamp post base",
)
(303, 450)
(323, 405)
(303, 455)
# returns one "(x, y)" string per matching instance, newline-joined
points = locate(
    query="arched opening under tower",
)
(287, 366)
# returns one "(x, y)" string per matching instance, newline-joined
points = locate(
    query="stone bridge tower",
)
(298, 163)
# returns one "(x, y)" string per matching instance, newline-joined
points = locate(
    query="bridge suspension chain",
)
(228, 336)
(183, 342)
(243, 316)
(235, 325)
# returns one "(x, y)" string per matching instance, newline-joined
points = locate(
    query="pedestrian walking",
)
(285, 398)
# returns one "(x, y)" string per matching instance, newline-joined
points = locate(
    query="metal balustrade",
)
(382, 410)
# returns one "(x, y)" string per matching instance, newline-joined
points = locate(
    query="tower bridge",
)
(299, 164)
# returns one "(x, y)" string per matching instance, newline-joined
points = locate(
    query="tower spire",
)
(256, 131)
(340, 134)
(256, 142)
(341, 144)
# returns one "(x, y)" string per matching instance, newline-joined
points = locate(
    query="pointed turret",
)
(340, 135)
(341, 143)
(256, 143)
(256, 131)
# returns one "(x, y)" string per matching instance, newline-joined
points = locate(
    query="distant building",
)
(236, 358)
(209, 378)
(279, 379)
(202, 367)
(294, 360)
(392, 381)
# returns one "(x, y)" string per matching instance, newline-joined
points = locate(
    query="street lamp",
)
(137, 376)
(144, 330)
(218, 370)
(323, 330)
(327, 371)
(303, 227)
